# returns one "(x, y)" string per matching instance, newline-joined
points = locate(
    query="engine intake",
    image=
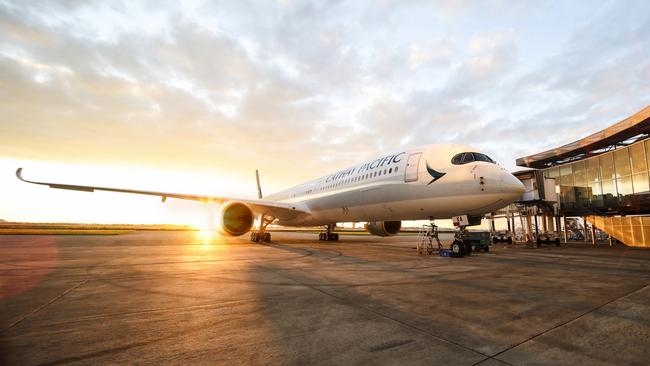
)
(384, 228)
(235, 219)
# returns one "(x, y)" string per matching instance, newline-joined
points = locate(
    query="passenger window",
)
(395, 169)
(390, 170)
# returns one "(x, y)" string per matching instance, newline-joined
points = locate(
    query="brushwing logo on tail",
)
(434, 174)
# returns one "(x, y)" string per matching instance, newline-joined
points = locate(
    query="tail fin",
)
(259, 188)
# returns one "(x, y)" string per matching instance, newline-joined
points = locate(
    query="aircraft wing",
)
(276, 209)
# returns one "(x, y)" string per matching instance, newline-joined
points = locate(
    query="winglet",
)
(19, 174)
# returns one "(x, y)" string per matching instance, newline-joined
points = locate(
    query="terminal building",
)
(603, 178)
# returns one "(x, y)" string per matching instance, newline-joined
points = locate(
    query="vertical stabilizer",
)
(259, 188)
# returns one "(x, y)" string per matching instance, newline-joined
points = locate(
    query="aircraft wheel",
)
(320, 236)
(557, 242)
(509, 241)
(255, 237)
(266, 237)
(468, 248)
(336, 237)
(456, 248)
(487, 248)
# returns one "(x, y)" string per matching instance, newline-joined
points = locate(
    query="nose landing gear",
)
(460, 246)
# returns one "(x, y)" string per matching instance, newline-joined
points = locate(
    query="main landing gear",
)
(257, 237)
(261, 234)
(460, 246)
(328, 235)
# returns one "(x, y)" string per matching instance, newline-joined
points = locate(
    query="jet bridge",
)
(538, 205)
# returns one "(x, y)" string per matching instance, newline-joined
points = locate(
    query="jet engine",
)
(384, 228)
(235, 219)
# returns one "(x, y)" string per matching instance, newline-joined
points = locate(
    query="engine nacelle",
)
(384, 228)
(235, 219)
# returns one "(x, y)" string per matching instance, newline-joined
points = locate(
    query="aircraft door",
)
(411, 171)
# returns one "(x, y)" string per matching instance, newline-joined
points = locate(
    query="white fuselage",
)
(415, 184)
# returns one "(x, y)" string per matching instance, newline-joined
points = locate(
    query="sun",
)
(207, 226)
(206, 236)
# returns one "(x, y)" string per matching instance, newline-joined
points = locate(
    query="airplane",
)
(438, 181)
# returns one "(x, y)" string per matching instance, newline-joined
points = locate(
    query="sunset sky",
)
(193, 96)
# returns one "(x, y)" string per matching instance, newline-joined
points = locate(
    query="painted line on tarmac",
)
(46, 304)
(564, 323)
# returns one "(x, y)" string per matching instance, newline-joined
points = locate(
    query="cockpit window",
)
(483, 157)
(468, 157)
(457, 159)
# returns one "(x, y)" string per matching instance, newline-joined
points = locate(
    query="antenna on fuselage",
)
(259, 188)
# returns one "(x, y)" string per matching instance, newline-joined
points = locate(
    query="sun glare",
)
(207, 232)
(206, 236)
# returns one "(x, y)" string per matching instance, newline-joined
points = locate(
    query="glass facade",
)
(604, 182)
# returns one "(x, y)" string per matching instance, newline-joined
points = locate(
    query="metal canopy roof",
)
(622, 133)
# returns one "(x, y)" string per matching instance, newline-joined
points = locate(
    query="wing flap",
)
(72, 188)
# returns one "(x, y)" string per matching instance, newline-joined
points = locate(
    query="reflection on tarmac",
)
(197, 297)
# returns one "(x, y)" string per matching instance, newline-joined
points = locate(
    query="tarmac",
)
(188, 298)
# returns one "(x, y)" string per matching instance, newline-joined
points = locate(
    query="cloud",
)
(245, 84)
(434, 53)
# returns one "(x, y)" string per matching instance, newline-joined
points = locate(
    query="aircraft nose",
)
(511, 184)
